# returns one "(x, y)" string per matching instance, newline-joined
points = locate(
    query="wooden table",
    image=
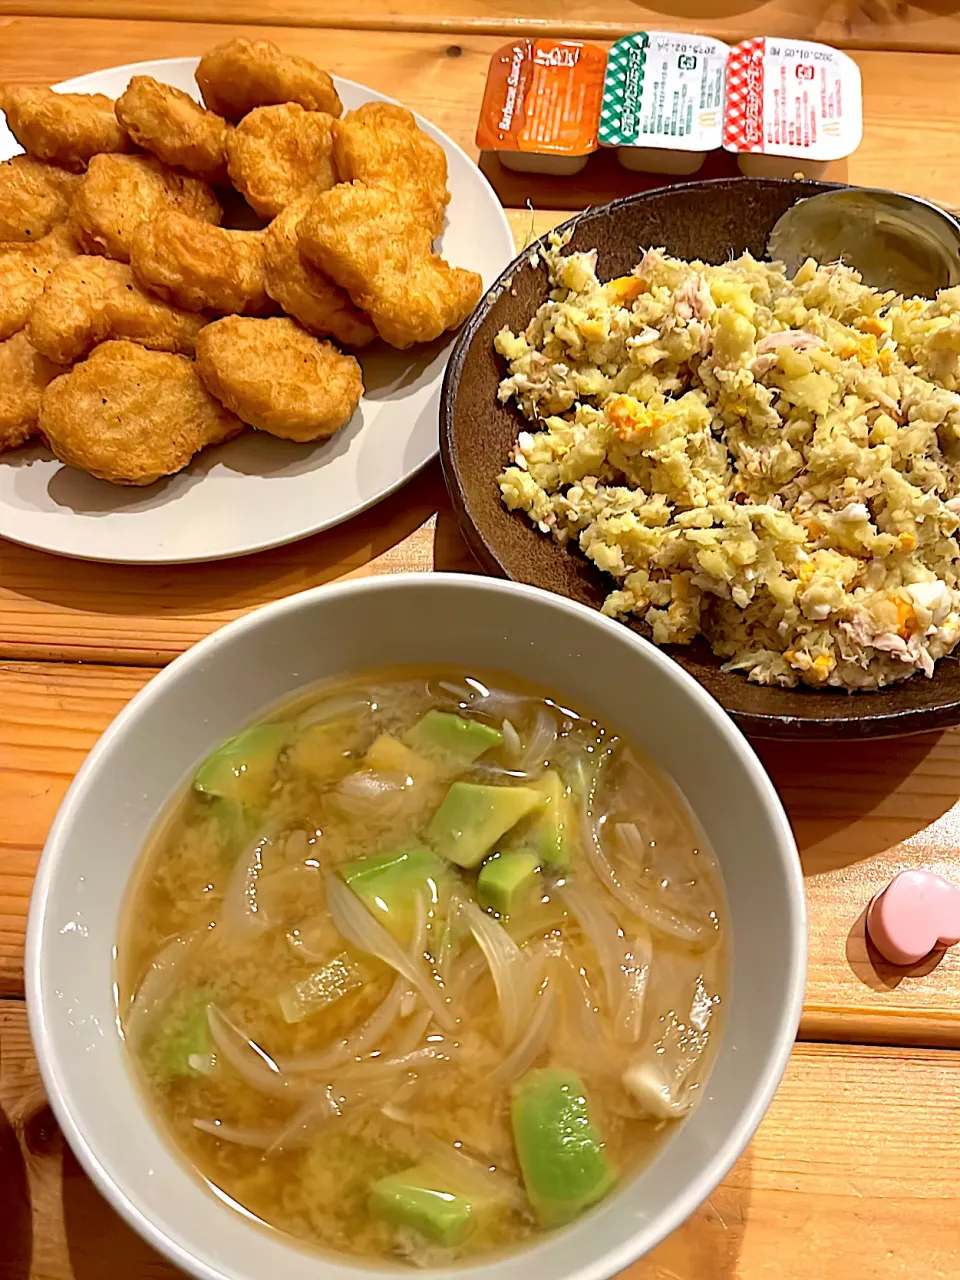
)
(853, 1173)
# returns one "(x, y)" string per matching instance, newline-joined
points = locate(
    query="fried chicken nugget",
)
(377, 248)
(167, 121)
(276, 154)
(381, 142)
(119, 194)
(303, 290)
(65, 128)
(238, 76)
(34, 198)
(131, 416)
(276, 377)
(200, 267)
(24, 269)
(23, 375)
(88, 300)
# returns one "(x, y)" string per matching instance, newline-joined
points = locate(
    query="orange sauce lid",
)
(543, 96)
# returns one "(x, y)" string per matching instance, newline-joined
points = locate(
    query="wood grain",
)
(862, 24)
(868, 1179)
(859, 817)
(909, 134)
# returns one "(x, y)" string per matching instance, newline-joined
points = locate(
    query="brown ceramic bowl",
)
(708, 220)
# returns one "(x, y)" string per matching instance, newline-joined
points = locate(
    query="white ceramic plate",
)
(257, 491)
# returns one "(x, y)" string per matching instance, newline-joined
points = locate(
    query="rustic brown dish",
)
(708, 220)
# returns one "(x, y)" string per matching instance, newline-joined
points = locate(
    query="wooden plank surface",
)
(862, 1187)
(910, 137)
(862, 24)
(859, 816)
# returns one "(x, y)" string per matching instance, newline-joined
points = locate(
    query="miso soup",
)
(423, 965)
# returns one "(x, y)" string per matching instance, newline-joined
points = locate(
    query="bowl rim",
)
(55, 1070)
(895, 723)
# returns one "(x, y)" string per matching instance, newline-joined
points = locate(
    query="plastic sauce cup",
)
(541, 105)
(792, 106)
(663, 97)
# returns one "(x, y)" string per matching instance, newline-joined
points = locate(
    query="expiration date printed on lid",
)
(664, 89)
(792, 98)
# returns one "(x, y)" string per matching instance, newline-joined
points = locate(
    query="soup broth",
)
(423, 965)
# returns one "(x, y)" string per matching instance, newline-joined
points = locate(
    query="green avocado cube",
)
(180, 1033)
(565, 1167)
(241, 768)
(506, 882)
(472, 819)
(453, 740)
(418, 1198)
(387, 883)
(550, 830)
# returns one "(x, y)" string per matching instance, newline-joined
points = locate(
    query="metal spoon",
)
(895, 241)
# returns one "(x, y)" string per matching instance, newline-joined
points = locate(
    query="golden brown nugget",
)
(23, 375)
(167, 122)
(235, 78)
(303, 290)
(131, 416)
(278, 378)
(88, 300)
(34, 198)
(277, 154)
(119, 194)
(378, 249)
(64, 128)
(24, 269)
(381, 142)
(200, 267)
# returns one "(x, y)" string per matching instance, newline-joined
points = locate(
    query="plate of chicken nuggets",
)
(228, 290)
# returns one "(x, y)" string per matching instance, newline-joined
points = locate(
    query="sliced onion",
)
(450, 944)
(246, 1057)
(410, 1037)
(385, 1068)
(540, 743)
(656, 914)
(313, 1114)
(511, 975)
(636, 973)
(459, 692)
(240, 911)
(470, 1175)
(372, 1032)
(157, 983)
(530, 1045)
(366, 784)
(362, 931)
(603, 934)
(511, 741)
(239, 1135)
(338, 707)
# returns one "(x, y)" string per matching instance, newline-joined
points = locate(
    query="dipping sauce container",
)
(792, 106)
(541, 105)
(663, 97)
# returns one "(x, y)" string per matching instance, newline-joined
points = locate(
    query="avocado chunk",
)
(180, 1033)
(452, 740)
(561, 1154)
(389, 755)
(241, 768)
(506, 882)
(549, 831)
(418, 1198)
(387, 883)
(472, 819)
